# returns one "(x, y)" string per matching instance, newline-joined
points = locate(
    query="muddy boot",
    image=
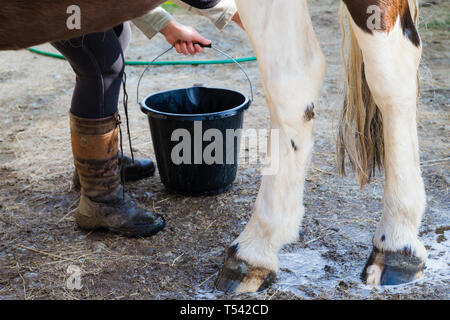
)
(102, 202)
(131, 171)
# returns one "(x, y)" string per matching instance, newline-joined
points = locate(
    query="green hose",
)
(157, 63)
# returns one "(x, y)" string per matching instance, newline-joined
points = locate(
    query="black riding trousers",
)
(98, 62)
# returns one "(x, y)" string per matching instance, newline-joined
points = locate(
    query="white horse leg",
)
(292, 68)
(391, 57)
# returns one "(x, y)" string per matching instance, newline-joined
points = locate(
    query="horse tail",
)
(414, 8)
(360, 134)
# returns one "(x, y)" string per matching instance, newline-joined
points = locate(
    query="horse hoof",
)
(239, 276)
(388, 268)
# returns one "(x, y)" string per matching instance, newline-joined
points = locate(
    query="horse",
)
(26, 23)
(377, 129)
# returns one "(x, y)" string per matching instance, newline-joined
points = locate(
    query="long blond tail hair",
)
(360, 135)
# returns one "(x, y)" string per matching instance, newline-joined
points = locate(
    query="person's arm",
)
(220, 13)
(24, 23)
(153, 22)
(181, 36)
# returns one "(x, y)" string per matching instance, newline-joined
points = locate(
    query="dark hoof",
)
(392, 268)
(238, 276)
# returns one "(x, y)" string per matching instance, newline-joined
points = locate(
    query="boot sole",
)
(145, 231)
(90, 224)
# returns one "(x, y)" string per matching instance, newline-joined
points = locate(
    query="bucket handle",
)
(203, 46)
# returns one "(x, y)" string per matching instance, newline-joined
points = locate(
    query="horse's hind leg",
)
(292, 68)
(391, 58)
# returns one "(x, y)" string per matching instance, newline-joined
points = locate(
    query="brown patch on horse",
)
(408, 26)
(390, 11)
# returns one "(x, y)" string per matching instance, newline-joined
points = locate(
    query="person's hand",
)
(183, 38)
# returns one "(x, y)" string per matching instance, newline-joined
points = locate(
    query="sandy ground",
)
(39, 239)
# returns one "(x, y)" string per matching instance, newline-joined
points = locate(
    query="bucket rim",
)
(195, 116)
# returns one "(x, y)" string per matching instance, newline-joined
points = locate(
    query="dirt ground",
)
(39, 239)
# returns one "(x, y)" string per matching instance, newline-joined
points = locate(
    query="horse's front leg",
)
(391, 57)
(292, 67)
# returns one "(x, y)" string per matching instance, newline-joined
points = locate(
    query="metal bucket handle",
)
(203, 46)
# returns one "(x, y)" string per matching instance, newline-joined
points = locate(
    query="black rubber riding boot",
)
(137, 170)
(103, 203)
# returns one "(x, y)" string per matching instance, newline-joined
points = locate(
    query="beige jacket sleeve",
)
(151, 23)
(220, 15)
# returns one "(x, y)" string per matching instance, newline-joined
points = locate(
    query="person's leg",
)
(98, 63)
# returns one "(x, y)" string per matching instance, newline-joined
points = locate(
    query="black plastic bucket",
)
(196, 137)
